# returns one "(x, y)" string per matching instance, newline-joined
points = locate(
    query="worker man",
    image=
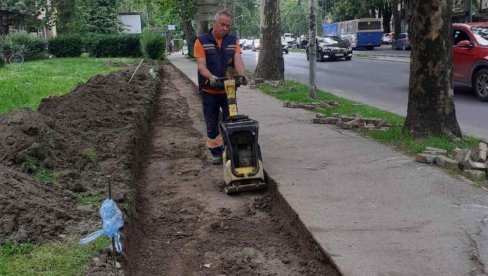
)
(216, 52)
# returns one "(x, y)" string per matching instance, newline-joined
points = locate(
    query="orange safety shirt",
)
(199, 52)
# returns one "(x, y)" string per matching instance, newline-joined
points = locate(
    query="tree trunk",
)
(271, 65)
(203, 27)
(386, 15)
(431, 109)
(189, 35)
(396, 17)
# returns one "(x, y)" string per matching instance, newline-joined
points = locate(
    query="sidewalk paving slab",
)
(372, 209)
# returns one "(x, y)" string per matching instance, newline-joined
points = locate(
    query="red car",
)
(470, 48)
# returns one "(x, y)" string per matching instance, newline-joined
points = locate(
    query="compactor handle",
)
(239, 80)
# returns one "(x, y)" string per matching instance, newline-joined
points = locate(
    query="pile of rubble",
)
(352, 122)
(311, 106)
(473, 163)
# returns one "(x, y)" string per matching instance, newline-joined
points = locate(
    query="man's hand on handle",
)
(242, 80)
(213, 81)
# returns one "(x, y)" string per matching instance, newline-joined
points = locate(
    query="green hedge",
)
(31, 47)
(66, 46)
(152, 44)
(2, 61)
(113, 45)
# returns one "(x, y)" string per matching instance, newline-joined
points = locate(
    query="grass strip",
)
(298, 93)
(53, 258)
(27, 84)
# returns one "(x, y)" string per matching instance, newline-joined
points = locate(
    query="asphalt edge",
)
(293, 222)
(279, 205)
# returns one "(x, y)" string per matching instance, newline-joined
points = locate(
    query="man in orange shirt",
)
(216, 52)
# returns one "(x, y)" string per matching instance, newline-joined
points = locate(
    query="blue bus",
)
(364, 32)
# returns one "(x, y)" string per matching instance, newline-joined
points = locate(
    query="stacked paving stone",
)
(473, 163)
(256, 82)
(311, 106)
(352, 122)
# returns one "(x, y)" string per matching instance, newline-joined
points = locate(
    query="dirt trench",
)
(185, 225)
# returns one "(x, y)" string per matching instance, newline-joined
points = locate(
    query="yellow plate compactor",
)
(243, 165)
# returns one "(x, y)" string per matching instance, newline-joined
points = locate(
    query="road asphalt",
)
(372, 209)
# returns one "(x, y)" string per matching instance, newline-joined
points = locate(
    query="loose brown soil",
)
(74, 141)
(186, 225)
(148, 136)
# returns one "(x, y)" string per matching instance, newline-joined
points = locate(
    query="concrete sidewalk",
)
(373, 210)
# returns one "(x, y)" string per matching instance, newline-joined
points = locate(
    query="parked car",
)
(247, 45)
(303, 44)
(401, 42)
(255, 45)
(387, 38)
(332, 47)
(470, 49)
(242, 41)
(288, 37)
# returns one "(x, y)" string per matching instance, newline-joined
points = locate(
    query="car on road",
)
(401, 42)
(288, 37)
(285, 46)
(332, 47)
(387, 38)
(247, 44)
(303, 44)
(255, 45)
(242, 41)
(470, 57)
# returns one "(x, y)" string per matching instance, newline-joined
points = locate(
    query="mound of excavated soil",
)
(33, 210)
(51, 157)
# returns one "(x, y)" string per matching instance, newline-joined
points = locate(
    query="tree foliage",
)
(102, 17)
(290, 11)
(246, 16)
(36, 13)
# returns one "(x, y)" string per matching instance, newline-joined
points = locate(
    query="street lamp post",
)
(311, 51)
(235, 22)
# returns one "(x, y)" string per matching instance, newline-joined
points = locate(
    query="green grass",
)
(90, 154)
(45, 175)
(362, 55)
(295, 50)
(54, 258)
(93, 199)
(296, 92)
(28, 84)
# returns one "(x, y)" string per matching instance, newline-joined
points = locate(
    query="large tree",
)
(185, 10)
(31, 11)
(271, 65)
(87, 16)
(246, 18)
(396, 17)
(430, 102)
(103, 17)
(290, 11)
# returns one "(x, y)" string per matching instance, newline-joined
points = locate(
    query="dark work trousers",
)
(212, 106)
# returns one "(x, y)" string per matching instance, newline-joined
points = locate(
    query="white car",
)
(255, 45)
(242, 41)
(247, 45)
(387, 38)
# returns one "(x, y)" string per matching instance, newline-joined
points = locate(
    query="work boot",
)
(216, 160)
